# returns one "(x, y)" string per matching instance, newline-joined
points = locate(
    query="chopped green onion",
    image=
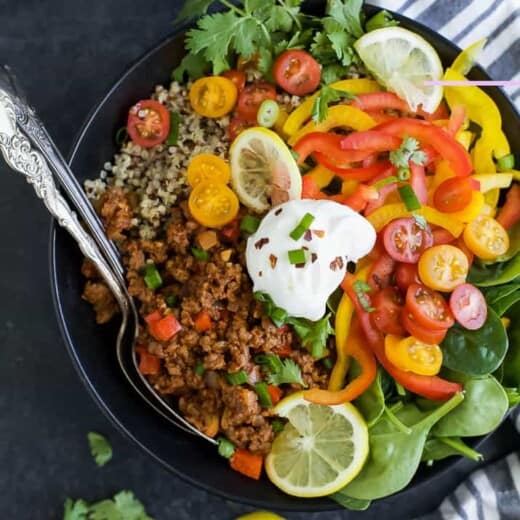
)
(171, 300)
(173, 136)
(361, 288)
(237, 378)
(152, 277)
(199, 368)
(199, 254)
(263, 395)
(268, 113)
(270, 361)
(295, 155)
(506, 163)
(302, 227)
(403, 173)
(121, 136)
(277, 426)
(249, 224)
(317, 350)
(226, 448)
(297, 256)
(384, 182)
(409, 198)
(327, 363)
(278, 316)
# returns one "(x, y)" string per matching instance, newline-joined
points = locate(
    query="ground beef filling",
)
(219, 286)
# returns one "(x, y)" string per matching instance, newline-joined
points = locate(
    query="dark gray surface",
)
(67, 55)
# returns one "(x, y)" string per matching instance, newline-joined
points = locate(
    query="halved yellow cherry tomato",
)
(443, 267)
(207, 167)
(412, 355)
(213, 96)
(213, 204)
(486, 238)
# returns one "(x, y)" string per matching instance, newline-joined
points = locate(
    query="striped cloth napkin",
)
(491, 493)
(466, 21)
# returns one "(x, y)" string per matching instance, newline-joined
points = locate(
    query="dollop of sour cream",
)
(336, 236)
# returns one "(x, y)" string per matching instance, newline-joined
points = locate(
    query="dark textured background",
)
(66, 55)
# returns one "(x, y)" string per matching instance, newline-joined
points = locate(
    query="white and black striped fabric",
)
(466, 21)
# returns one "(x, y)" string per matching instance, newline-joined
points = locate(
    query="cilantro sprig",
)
(408, 151)
(290, 372)
(327, 95)
(99, 448)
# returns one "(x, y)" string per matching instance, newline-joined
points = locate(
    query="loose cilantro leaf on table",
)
(75, 510)
(99, 448)
(289, 373)
(193, 9)
(326, 96)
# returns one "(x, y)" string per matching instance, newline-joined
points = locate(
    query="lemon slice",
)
(402, 61)
(263, 171)
(320, 450)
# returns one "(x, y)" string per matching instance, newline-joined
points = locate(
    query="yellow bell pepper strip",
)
(482, 155)
(280, 121)
(358, 348)
(342, 325)
(468, 57)
(343, 116)
(385, 214)
(349, 186)
(490, 182)
(465, 138)
(301, 114)
(472, 210)
(321, 175)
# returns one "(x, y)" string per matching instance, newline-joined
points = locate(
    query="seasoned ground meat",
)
(195, 364)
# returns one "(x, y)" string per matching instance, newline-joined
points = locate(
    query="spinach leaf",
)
(514, 244)
(476, 352)
(438, 448)
(483, 409)
(371, 403)
(494, 274)
(394, 455)
(511, 364)
(495, 294)
(354, 504)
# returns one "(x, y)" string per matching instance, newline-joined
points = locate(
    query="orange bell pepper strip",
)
(247, 463)
(356, 347)
(510, 213)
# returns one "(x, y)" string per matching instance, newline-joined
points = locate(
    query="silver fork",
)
(28, 148)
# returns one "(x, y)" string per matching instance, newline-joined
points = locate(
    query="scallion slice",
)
(199, 368)
(237, 378)
(297, 256)
(173, 136)
(226, 448)
(385, 182)
(263, 395)
(361, 288)
(403, 173)
(327, 363)
(277, 426)
(199, 254)
(506, 163)
(152, 278)
(268, 113)
(304, 225)
(249, 224)
(409, 198)
(121, 136)
(171, 300)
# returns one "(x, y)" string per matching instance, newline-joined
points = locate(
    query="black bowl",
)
(92, 347)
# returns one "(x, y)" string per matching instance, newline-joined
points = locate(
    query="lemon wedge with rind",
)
(263, 171)
(320, 450)
(402, 61)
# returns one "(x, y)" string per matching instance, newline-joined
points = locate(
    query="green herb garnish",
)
(408, 151)
(391, 179)
(380, 20)
(121, 136)
(171, 300)
(249, 224)
(327, 95)
(409, 197)
(199, 368)
(263, 395)
(506, 163)
(296, 256)
(302, 227)
(173, 135)
(271, 362)
(237, 378)
(290, 373)
(361, 288)
(99, 448)
(277, 426)
(200, 254)
(152, 278)
(226, 448)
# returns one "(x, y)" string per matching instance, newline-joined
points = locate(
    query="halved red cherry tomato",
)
(428, 307)
(381, 272)
(468, 306)
(370, 140)
(297, 72)
(238, 125)
(453, 194)
(388, 305)
(406, 275)
(148, 123)
(429, 134)
(381, 101)
(251, 97)
(431, 336)
(405, 240)
(238, 77)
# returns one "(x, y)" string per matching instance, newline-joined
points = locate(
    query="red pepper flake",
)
(278, 211)
(299, 266)
(261, 243)
(319, 233)
(273, 259)
(337, 263)
(260, 274)
(305, 248)
(308, 235)
(314, 257)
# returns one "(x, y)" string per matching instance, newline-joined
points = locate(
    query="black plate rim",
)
(69, 344)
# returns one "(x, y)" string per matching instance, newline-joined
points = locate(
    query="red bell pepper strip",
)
(149, 364)
(380, 117)
(384, 191)
(418, 182)
(247, 463)
(369, 161)
(429, 134)
(358, 200)
(430, 387)
(370, 140)
(310, 188)
(202, 321)
(359, 174)
(275, 393)
(357, 348)
(162, 329)
(440, 113)
(381, 101)
(457, 118)
(510, 213)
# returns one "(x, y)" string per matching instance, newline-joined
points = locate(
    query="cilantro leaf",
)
(290, 372)
(313, 334)
(361, 288)
(193, 9)
(124, 506)
(194, 65)
(99, 448)
(408, 151)
(380, 20)
(421, 221)
(332, 73)
(280, 20)
(326, 96)
(75, 510)
(347, 13)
